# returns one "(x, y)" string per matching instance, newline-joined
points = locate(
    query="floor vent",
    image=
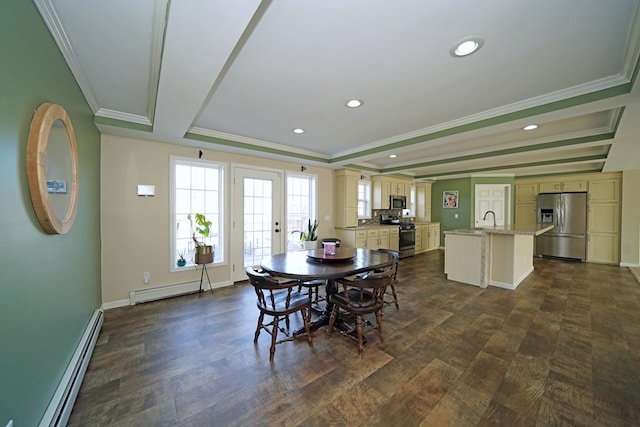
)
(60, 407)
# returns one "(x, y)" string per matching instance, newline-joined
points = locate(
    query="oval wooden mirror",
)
(52, 168)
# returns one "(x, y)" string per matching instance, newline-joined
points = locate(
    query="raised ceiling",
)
(241, 75)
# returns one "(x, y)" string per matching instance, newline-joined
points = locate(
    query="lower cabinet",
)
(394, 239)
(427, 237)
(603, 248)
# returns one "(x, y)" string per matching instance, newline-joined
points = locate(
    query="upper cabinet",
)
(604, 190)
(526, 193)
(347, 198)
(423, 201)
(565, 185)
(385, 186)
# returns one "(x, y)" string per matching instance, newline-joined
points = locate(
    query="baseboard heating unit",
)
(59, 409)
(152, 294)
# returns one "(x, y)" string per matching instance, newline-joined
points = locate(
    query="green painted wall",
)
(466, 201)
(49, 284)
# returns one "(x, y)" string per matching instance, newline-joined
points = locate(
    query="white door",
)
(495, 198)
(257, 218)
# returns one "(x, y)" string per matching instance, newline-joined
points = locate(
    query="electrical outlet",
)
(145, 277)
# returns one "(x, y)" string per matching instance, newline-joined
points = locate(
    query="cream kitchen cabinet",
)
(525, 213)
(603, 248)
(347, 198)
(434, 236)
(384, 186)
(352, 238)
(571, 185)
(526, 193)
(418, 248)
(372, 239)
(604, 190)
(427, 237)
(423, 201)
(394, 238)
(603, 230)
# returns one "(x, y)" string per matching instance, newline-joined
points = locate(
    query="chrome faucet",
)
(494, 217)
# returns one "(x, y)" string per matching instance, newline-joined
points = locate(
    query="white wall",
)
(135, 230)
(630, 233)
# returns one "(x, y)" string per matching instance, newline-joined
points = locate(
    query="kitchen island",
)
(499, 256)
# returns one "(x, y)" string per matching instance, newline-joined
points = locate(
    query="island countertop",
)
(526, 229)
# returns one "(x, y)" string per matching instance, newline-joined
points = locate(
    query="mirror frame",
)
(39, 131)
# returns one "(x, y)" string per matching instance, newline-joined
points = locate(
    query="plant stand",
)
(204, 270)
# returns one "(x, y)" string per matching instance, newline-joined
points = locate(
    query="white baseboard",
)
(626, 264)
(59, 409)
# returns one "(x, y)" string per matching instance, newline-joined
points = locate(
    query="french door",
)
(258, 226)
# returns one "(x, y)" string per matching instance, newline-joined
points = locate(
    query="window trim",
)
(369, 199)
(314, 197)
(173, 161)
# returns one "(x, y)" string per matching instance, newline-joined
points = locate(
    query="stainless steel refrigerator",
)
(568, 214)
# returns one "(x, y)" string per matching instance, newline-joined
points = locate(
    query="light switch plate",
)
(146, 190)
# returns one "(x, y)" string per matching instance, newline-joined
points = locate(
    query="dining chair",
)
(360, 295)
(394, 267)
(277, 299)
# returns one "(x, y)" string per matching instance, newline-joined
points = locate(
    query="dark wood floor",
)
(563, 349)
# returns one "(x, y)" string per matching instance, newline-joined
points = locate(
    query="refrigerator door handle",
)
(561, 213)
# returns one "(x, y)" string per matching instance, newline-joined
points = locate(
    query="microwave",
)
(397, 202)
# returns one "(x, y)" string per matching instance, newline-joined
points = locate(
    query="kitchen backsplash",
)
(375, 220)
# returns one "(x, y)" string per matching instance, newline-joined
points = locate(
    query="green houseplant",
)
(203, 253)
(308, 235)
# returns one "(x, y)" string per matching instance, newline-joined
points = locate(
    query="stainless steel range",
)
(407, 239)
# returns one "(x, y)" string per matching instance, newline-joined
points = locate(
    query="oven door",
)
(407, 246)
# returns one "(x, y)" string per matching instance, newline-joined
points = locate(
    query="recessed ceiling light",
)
(530, 127)
(393, 156)
(466, 46)
(354, 103)
(298, 130)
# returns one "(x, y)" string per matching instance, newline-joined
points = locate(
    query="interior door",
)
(495, 198)
(257, 218)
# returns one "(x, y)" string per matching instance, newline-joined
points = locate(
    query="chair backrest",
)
(266, 286)
(367, 290)
(396, 261)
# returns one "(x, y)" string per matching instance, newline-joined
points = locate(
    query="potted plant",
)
(203, 253)
(181, 260)
(309, 237)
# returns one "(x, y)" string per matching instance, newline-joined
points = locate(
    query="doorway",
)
(257, 226)
(495, 198)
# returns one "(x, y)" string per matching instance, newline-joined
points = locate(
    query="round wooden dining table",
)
(313, 264)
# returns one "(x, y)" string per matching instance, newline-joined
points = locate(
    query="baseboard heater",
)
(146, 295)
(59, 409)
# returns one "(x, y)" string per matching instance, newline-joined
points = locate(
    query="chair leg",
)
(332, 319)
(274, 334)
(260, 319)
(359, 325)
(395, 297)
(306, 315)
(379, 322)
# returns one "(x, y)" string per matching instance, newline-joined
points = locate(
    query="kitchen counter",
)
(499, 256)
(526, 230)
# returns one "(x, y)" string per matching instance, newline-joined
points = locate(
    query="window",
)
(364, 199)
(197, 186)
(301, 206)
